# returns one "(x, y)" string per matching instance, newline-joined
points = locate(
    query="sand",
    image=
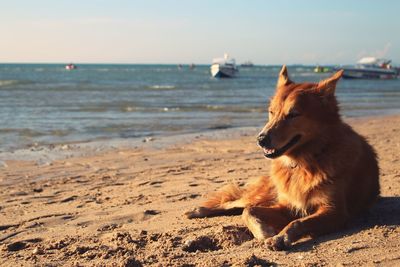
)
(123, 206)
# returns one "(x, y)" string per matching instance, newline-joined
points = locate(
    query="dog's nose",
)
(264, 140)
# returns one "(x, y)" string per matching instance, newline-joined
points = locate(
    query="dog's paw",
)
(278, 242)
(196, 213)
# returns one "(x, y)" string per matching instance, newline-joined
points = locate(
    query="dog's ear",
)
(283, 78)
(328, 85)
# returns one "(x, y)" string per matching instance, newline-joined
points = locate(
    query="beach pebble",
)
(38, 190)
(188, 242)
(3, 164)
(37, 251)
(151, 212)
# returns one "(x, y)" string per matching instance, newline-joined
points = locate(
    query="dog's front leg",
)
(324, 220)
(264, 222)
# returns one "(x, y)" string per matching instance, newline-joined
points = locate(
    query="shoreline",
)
(46, 153)
(124, 205)
(62, 150)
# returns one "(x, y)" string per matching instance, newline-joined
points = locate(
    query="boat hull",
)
(221, 71)
(359, 73)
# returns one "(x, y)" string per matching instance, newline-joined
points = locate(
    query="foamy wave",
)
(7, 82)
(129, 109)
(170, 109)
(162, 87)
(232, 109)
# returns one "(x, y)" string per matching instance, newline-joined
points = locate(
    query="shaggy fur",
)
(323, 172)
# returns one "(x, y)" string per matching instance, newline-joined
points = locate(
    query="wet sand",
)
(124, 205)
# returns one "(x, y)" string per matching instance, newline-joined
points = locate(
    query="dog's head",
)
(298, 113)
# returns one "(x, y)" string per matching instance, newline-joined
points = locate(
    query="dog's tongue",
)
(269, 151)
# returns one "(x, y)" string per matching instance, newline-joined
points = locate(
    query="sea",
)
(44, 104)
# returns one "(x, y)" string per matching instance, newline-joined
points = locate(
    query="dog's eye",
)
(292, 114)
(271, 112)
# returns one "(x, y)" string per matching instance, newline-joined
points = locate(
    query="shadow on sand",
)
(385, 212)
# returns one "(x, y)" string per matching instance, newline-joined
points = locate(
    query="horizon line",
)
(153, 63)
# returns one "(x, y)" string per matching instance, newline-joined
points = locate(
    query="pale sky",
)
(178, 31)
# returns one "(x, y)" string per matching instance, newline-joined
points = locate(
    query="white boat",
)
(70, 66)
(224, 67)
(371, 68)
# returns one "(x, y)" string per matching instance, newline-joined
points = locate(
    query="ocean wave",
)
(166, 109)
(234, 109)
(99, 108)
(149, 109)
(164, 70)
(22, 132)
(162, 87)
(8, 82)
(310, 74)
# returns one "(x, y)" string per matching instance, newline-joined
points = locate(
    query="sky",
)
(194, 31)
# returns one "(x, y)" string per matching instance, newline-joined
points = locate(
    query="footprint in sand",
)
(144, 215)
(19, 245)
(6, 226)
(68, 199)
(143, 183)
(156, 183)
(15, 246)
(151, 212)
(202, 244)
(191, 196)
(182, 197)
(108, 227)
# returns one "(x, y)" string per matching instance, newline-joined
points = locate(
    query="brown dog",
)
(323, 173)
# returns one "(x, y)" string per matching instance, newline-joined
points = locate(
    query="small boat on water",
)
(320, 69)
(224, 67)
(70, 66)
(371, 68)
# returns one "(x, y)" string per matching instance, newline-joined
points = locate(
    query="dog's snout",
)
(264, 140)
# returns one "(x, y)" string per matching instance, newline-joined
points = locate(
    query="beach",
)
(123, 204)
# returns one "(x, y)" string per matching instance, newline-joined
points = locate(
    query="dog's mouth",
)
(272, 153)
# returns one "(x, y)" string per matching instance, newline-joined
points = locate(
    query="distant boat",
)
(192, 66)
(371, 68)
(247, 64)
(224, 67)
(70, 66)
(319, 69)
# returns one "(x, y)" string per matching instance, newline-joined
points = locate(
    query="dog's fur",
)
(323, 172)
